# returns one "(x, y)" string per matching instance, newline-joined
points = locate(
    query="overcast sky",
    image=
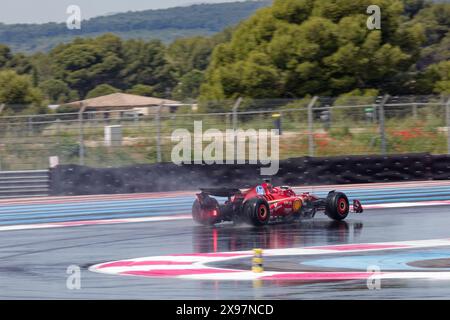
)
(39, 11)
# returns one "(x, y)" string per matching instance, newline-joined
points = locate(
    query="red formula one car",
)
(263, 204)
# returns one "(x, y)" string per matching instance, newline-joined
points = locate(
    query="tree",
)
(189, 85)
(318, 47)
(101, 90)
(5, 55)
(56, 91)
(187, 54)
(87, 63)
(17, 91)
(189, 58)
(412, 7)
(435, 20)
(43, 64)
(20, 63)
(145, 63)
(438, 76)
(142, 90)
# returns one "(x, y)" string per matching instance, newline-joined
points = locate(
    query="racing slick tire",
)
(337, 206)
(256, 212)
(197, 214)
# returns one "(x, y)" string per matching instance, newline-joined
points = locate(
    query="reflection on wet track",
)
(33, 263)
(227, 237)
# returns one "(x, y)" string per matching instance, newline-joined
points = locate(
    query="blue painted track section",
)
(398, 261)
(98, 209)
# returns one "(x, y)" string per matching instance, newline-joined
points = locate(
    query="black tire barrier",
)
(82, 180)
(441, 167)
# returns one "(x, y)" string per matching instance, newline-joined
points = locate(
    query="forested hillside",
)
(164, 24)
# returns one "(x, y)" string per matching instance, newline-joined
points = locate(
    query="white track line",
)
(92, 222)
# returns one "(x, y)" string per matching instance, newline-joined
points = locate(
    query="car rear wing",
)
(220, 192)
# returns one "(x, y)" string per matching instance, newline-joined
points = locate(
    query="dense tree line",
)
(300, 47)
(291, 49)
(90, 67)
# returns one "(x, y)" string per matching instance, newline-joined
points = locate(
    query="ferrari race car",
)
(264, 203)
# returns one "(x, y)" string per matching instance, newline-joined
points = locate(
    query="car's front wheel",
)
(337, 206)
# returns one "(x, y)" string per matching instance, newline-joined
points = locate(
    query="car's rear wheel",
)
(257, 212)
(200, 214)
(337, 206)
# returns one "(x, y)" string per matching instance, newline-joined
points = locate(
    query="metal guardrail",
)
(28, 183)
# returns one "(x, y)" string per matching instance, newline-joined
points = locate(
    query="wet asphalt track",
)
(33, 263)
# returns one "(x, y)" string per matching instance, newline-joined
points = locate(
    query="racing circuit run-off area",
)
(393, 250)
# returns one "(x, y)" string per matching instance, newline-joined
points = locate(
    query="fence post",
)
(311, 126)
(381, 122)
(447, 117)
(30, 126)
(2, 106)
(81, 138)
(58, 132)
(158, 133)
(235, 125)
(235, 114)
